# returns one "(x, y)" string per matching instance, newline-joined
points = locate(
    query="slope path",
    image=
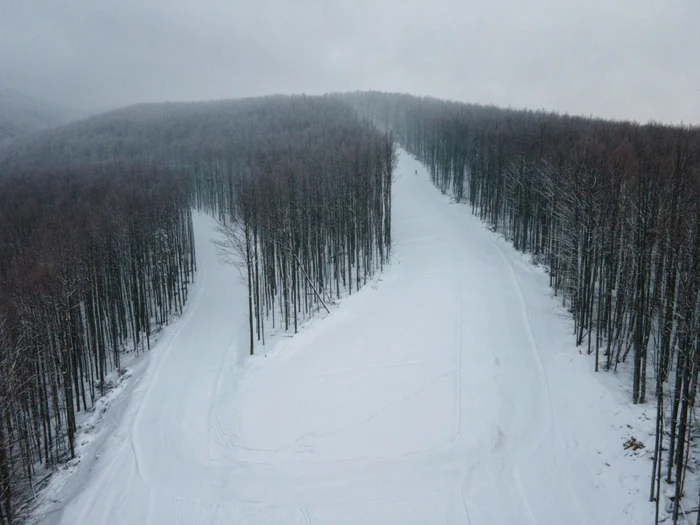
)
(446, 392)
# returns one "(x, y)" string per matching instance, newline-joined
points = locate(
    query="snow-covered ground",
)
(447, 392)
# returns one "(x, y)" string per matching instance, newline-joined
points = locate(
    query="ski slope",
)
(446, 392)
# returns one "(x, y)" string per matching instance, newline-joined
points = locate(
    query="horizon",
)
(629, 61)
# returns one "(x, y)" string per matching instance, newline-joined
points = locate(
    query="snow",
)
(446, 391)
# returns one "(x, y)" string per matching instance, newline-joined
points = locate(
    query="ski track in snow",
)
(447, 393)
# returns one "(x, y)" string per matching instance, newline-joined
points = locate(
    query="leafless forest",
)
(96, 247)
(97, 252)
(613, 211)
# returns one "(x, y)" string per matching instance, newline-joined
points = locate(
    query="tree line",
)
(613, 211)
(97, 243)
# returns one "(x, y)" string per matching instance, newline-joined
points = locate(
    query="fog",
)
(630, 59)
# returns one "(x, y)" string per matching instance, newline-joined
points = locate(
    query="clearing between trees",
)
(447, 391)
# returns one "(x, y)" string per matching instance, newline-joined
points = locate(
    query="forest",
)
(611, 209)
(97, 251)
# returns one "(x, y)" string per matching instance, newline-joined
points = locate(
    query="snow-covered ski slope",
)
(448, 392)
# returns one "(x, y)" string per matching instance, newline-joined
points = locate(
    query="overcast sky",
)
(633, 59)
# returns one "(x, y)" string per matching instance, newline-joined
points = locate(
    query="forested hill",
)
(97, 252)
(181, 131)
(96, 246)
(21, 115)
(611, 208)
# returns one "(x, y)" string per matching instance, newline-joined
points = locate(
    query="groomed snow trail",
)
(447, 392)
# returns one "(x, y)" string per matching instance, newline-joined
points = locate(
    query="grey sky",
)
(634, 59)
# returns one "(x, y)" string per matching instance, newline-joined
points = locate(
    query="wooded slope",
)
(96, 248)
(611, 208)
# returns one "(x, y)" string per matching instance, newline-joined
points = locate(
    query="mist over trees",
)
(97, 248)
(613, 211)
(21, 115)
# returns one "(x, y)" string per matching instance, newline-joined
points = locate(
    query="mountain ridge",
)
(21, 115)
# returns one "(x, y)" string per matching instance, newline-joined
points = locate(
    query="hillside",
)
(449, 391)
(461, 383)
(20, 115)
(98, 250)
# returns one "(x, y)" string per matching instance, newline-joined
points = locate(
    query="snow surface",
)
(447, 391)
